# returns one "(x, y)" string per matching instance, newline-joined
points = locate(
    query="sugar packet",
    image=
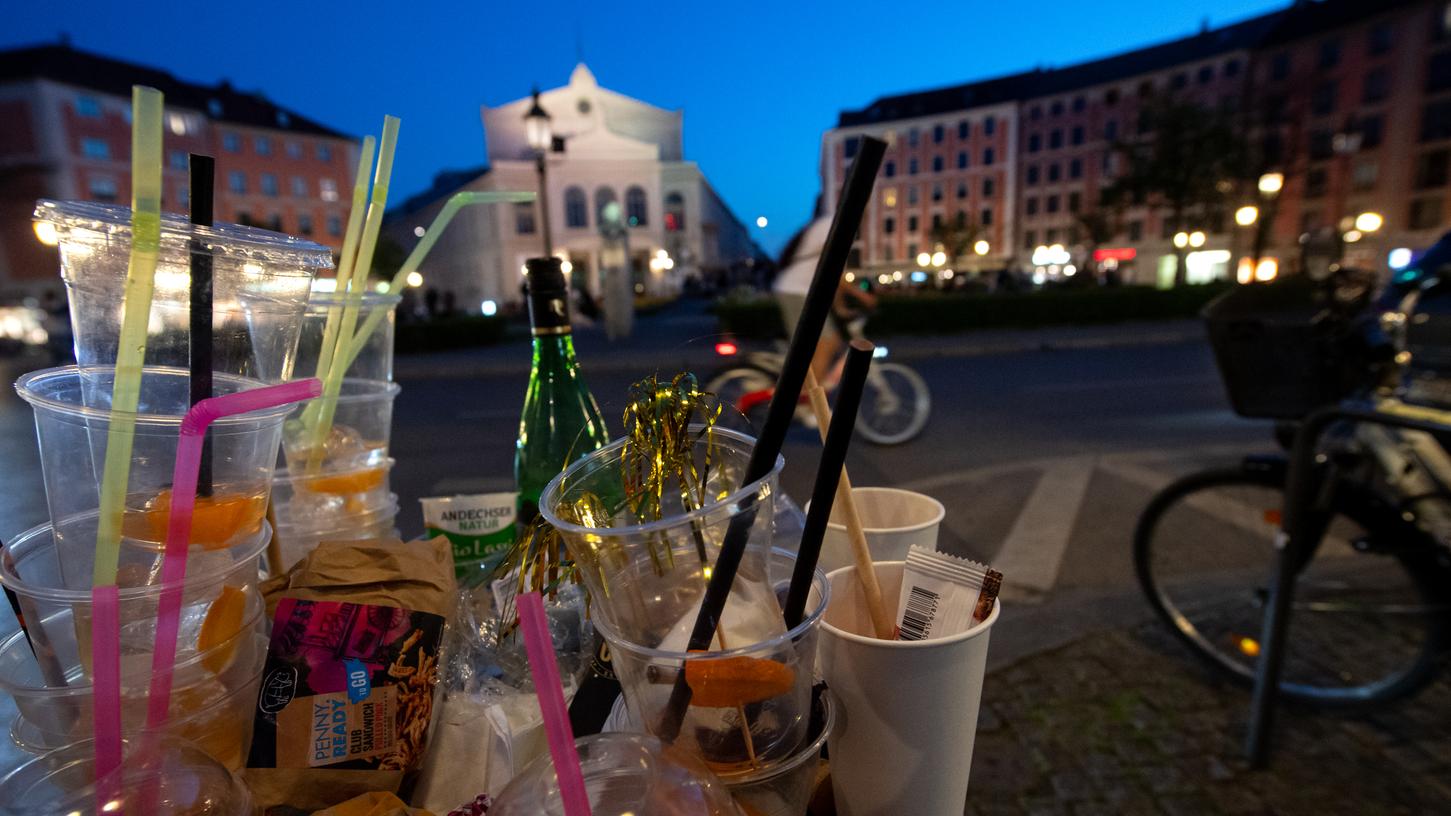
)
(944, 595)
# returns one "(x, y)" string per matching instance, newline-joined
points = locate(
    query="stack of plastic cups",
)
(750, 715)
(341, 492)
(260, 286)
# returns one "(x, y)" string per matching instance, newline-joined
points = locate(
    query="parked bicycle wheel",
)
(895, 405)
(1366, 624)
(731, 385)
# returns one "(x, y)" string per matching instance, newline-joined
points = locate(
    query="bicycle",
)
(1372, 612)
(895, 405)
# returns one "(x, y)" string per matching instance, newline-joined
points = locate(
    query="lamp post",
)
(541, 140)
(1269, 186)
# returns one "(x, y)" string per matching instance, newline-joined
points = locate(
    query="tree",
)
(1100, 224)
(956, 237)
(1188, 163)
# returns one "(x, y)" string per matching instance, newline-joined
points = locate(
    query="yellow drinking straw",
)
(146, 105)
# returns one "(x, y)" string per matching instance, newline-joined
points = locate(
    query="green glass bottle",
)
(561, 420)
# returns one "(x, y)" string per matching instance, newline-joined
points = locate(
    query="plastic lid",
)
(88, 221)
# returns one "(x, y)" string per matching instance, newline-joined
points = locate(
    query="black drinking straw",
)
(50, 669)
(203, 172)
(828, 476)
(855, 194)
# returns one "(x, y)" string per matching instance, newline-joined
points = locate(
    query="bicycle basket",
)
(1278, 347)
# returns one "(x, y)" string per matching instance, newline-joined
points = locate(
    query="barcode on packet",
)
(917, 618)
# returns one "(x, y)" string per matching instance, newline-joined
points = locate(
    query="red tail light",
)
(726, 348)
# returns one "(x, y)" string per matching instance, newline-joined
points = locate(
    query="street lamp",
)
(924, 259)
(1196, 239)
(1181, 239)
(939, 258)
(1271, 183)
(541, 140)
(1246, 215)
(1269, 186)
(981, 247)
(1369, 221)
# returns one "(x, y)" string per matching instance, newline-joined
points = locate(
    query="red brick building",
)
(1348, 100)
(66, 134)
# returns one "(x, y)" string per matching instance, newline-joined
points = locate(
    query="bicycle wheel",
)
(1366, 624)
(730, 385)
(895, 405)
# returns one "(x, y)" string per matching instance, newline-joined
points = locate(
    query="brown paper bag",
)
(348, 690)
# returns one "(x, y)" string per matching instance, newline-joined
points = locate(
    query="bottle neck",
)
(554, 350)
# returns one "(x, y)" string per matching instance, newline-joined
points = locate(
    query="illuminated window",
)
(327, 189)
(93, 148)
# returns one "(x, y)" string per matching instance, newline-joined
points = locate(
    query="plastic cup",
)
(72, 422)
(362, 426)
(908, 714)
(766, 714)
(169, 777)
(893, 519)
(648, 577)
(625, 775)
(299, 534)
(52, 583)
(375, 358)
(260, 286)
(784, 787)
(335, 494)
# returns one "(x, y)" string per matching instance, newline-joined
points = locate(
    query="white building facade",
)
(608, 148)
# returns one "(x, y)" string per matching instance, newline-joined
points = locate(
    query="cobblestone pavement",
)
(1126, 722)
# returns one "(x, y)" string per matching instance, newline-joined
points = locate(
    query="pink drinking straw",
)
(551, 703)
(106, 704)
(178, 531)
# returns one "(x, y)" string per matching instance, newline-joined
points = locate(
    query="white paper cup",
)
(908, 717)
(893, 519)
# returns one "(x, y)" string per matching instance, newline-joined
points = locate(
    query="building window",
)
(961, 159)
(1322, 144)
(937, 164)
(245, 219)
(299, 187)
(1431, 169)
(1436, 122)
(179, 160)
(88, 106)
(232, 143)
(1077, 135)
(576, 208)
(1179, 81)
(1371, 130)
(887, 253)
(263, 145)
(989, 125)
(911, 194)
(1051, 205)
(1426, 213)
(1136, 230)
(1365, 174)
(987, 188)
(962, 129)
(1031, 176)
(987, 217)
(327, 189)
(936, 221)
(1315, 182)
(936, 191)
(1380, 39)
(1110, 97)
(1079, 104)
(1035, 113)
(674, 212)
(911, 250)
(889, 169)
(237, 182)
(1206, 74)
(93, 148)
(1377, 85)
(1438, 72)
(912, 224)
(1074, 201)
(304, 224)
(324, 153)
(274, 222)
(938, 134)
(1029, 239)
(1075, 169)
(103, 188)
(1030, 206)
(294, 151)
(889, 197)
(1054, 173)
(889, 225)
(1056, 109)
(1110, 130)
(334, 225)
(1280, 66)
(636, 207)
(987, 156)
(1322, 99)
(268, 184)
(1055, 139)
(913, 135)
(524, 217)
(1035, 143)
(1329, 53)
(961, 190)
(603, 195)
(848, 147)
(911, 167)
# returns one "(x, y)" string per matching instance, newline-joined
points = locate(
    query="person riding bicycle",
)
(798, 266)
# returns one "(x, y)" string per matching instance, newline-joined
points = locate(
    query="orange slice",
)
(359, 481)
(728, 682)
(215, 520)
(221, 625)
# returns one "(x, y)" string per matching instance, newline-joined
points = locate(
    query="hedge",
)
(443, 334)
(950, 313)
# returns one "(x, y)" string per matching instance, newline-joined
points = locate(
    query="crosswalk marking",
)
(1033, 551)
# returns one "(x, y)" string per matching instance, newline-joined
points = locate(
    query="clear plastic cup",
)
(784, 787)
(74, 432)
(212, 709)
(338, 495)
(167, 777)
(625, 775)
(375, 357)
(750, 704)
(648, 577)
(361, 429)
(52, 584)
(260, 286)
(299, 534)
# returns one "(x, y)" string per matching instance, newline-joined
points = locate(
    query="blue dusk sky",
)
(759, 82)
